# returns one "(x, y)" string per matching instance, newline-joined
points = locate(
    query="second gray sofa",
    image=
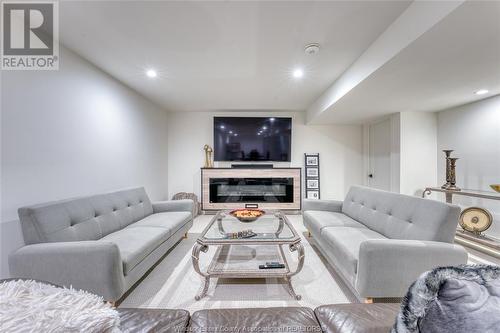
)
(102, 243)
(381, 242)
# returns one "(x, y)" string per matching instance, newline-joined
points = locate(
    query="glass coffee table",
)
(238, 257)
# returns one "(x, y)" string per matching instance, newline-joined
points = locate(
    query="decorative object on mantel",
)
(450, 172)
(495, 187)
(475, 220)
(312, 176)
(208, 156)
(192, 196)
(482, 243)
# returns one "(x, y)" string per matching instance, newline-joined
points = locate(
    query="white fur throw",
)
(30, 306)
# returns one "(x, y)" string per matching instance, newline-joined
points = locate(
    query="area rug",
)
(173, 283)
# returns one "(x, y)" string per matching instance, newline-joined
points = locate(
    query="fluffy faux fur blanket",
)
(458, 299)
(29, 306)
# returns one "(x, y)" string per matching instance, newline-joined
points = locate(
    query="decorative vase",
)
(208, 156)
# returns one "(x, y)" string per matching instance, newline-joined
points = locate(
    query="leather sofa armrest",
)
(184, 205)
(387, 267)
(88, 265)
(325, 205)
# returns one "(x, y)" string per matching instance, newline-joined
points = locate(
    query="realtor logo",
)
(30, 35)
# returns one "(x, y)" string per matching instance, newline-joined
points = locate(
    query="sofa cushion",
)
(316, 220)
(357, 318)
(289, 319)
(172, 221)
(153, 320)
(85, 218)
(344, 243)
(135, 244)
(400, 216)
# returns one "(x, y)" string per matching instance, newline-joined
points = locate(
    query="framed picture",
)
(312, 172)
(312, 183)
(312, 160)
(312, 195)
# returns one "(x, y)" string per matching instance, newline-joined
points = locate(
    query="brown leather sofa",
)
(337, 318)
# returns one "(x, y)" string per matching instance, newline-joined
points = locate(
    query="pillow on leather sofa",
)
(458, 299)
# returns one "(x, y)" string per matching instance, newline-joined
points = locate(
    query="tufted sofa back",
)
(400, 216)
(85, 218)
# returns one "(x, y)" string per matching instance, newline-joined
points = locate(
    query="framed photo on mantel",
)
(311, 172)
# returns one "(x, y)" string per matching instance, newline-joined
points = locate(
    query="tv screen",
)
(252, 139)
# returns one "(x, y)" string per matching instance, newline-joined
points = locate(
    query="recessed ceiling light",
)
(264, 127)
(222, 126)
(235, 134)
(230, 132)
(151, 73)
(481, 92)
(298, 73)
(271, 119)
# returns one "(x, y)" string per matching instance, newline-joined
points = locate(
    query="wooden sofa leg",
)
(369, 300)
(113, 304)
(185, 235)
(309, 234)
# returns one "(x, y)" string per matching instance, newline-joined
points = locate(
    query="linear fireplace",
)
(224, 188)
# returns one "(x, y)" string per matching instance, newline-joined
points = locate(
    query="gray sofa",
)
(380, 242)
(102, 243)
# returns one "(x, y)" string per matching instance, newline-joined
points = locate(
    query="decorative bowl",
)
(247, 215)
(496, 187)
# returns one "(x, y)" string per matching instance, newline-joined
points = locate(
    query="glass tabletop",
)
(272, 226)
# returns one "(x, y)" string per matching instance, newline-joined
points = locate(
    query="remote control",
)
(273, 266)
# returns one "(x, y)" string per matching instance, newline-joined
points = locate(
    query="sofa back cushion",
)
(400, 216)
(85, 218)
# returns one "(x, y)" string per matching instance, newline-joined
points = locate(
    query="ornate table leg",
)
(291, 290)
(280, 225)
(195, 257)
(300, 252)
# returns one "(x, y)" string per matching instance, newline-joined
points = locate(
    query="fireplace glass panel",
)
(251, 190)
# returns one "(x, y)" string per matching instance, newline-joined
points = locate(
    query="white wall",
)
(473, 131)
(340, 149)
(418, 146)
(73, 132)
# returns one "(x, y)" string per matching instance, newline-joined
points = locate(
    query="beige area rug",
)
(173, 283)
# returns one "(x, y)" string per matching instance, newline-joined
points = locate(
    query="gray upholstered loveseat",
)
(102, 243)
(381, 242)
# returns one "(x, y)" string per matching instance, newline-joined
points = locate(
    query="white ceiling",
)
(239, 55)
(441, 69)
(225, 55)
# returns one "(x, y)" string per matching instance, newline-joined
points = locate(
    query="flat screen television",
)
(252, 139)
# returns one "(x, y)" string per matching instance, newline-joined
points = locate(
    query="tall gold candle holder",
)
(447, 152)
